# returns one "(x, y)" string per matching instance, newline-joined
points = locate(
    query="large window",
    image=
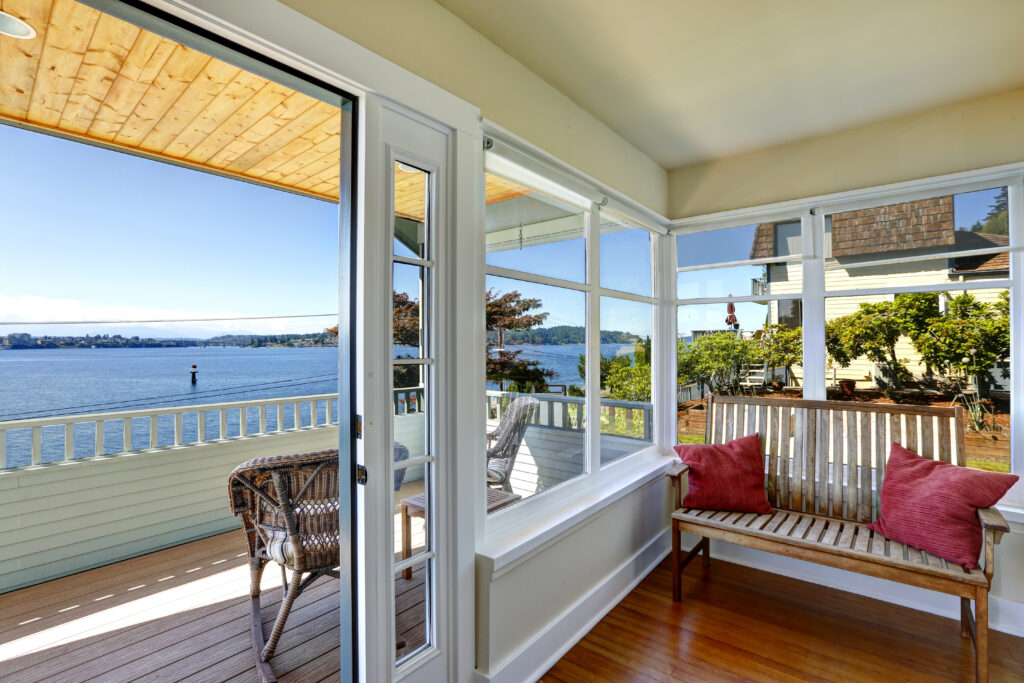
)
(905, 302)
(922, 312)
(568, 286)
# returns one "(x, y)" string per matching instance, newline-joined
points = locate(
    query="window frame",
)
(813, 210)
(516, 522)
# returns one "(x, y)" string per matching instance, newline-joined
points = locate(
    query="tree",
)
(628, 380)
(717, 361)
(782, 347)
(872, 332)
(970, 339)
(997, 220)
(405, 320)
(510, 311)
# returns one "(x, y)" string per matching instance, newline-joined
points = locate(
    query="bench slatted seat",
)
(824, 468)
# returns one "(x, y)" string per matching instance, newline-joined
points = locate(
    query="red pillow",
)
(726, 476)
(933, 505)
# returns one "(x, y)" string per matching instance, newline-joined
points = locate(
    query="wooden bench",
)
(824, 465)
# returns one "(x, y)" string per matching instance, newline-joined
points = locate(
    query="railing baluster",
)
(243, 421)
(280, 417)
(69, 442)
(3, 448)
(263, 419)
(37, 445)
(201, 426)
(298, 415)
(127, 438)
(223, 423)
(154, 426)
(328, 417)
(177, 429)
(99, 437)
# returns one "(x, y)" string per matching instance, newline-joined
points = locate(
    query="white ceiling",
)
(689, 80)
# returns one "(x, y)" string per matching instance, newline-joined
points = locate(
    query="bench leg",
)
(965, 617)
(981, 635)
(677, 585)
(707, 551)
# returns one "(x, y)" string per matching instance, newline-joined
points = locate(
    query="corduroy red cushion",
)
(933, 505)
(726, 476)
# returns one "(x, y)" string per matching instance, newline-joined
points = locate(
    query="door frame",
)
(272, 30)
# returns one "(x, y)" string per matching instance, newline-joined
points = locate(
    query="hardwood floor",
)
(736, 623)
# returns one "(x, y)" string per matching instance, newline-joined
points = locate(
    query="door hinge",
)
(361, 475)
(359, 426)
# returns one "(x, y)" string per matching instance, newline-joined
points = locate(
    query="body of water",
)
(47, 382)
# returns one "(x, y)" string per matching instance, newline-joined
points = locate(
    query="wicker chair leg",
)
(294, 588)
(256, 567)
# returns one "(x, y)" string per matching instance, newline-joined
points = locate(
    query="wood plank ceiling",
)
(92, 76)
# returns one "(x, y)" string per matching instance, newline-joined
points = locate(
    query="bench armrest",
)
(993, 519)
(675, 473)
(994, 526)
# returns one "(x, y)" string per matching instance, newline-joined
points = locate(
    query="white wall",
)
(532, 610)
(68, 517)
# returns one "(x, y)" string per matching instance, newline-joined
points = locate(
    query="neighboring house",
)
(901, 230)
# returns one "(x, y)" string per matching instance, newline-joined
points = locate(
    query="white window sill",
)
(1012, 513)
(523, 530)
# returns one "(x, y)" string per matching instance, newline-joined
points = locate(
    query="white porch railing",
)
(566, 412)
(66, 437)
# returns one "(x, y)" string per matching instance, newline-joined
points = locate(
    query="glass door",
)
(405, 570)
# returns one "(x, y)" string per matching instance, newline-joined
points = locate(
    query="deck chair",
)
(288, 505)
(507, 438)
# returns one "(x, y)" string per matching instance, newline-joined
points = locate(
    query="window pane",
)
(410, 211)
(747, 242)
(535, 406)
(762, 241)
(764, 356)
(626, 409)
(625, 257)
(412, 610)
(938, 226)
(934, 348)
(407, 293)
(533, 233)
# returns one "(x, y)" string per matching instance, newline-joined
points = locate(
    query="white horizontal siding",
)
(67, 517)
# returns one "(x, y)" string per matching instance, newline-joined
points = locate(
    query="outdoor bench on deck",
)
(825, 461)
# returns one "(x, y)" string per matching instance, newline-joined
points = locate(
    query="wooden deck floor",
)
(736, 623)
(180, 614)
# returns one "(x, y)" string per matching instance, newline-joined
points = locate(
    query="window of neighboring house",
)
(541, 289)
(739, 320)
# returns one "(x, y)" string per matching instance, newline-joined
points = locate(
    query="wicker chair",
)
(501, 457)
(288, 505)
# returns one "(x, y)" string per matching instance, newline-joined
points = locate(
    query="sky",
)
(92, 234)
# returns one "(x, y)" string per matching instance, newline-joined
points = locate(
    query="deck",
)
(181, 614)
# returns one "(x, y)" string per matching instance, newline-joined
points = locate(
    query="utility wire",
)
(209, 393)
(179, 320)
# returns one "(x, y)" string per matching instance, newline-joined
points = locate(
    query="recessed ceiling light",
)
(15, 28)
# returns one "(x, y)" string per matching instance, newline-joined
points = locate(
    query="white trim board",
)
(551, 643)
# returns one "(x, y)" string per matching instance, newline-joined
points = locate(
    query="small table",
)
(413, 506)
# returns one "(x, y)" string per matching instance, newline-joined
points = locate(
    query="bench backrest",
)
(828, 457)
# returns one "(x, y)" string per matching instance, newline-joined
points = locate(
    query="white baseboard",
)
(531, 661)
(1004, 615)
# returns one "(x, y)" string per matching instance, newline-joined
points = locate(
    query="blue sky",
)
(91, 233)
